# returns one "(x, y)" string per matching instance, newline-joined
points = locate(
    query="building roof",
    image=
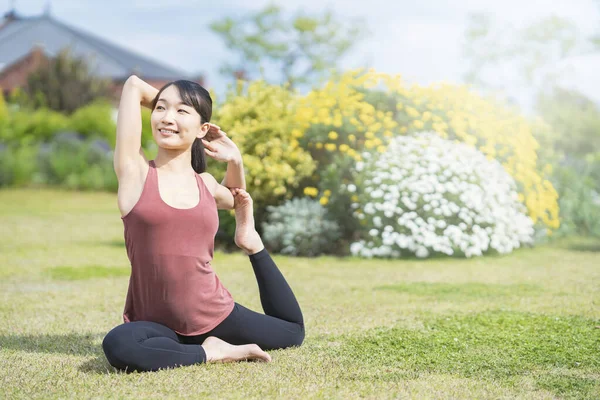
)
(18, 35)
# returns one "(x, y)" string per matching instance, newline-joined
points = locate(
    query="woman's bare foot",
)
(246, 236)
(218, 350)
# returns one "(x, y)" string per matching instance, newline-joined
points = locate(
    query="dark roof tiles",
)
(19, 36)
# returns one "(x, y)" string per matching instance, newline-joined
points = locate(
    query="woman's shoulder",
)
(210, 182)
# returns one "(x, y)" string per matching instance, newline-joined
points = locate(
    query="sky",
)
(422, 41)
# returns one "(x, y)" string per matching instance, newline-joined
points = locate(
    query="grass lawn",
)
(526, 325)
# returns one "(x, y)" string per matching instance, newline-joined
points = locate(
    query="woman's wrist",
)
(236, 160)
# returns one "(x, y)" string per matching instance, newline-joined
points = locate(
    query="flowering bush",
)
(260, 119)
(362, 110)
(429, 195)
(299, 227)
(458, 113)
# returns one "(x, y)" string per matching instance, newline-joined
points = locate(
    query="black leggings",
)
(149, 346)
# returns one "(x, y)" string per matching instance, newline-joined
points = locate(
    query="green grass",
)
(463, 291)
(525, 325)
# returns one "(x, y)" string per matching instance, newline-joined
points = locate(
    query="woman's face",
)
(175, 125)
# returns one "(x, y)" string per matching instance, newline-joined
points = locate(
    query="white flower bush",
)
(426, 195)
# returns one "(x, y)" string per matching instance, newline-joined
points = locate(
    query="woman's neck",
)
(174, 161)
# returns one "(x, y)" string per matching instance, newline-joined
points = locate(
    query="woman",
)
(177, 312)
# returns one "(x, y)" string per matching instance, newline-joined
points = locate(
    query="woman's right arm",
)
(128, 149)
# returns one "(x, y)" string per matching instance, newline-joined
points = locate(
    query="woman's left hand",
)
(218, 146)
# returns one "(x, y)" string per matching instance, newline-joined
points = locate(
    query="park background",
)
(427, 176)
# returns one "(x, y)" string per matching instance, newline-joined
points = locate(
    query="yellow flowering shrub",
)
(261, 120)
(335, 124)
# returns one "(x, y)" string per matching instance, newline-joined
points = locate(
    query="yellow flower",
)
(369, 135)
(412, 112)
(352, 138)
(319, 145)
(296, 133)
(324, 200)
(344, 147)
(279, 190)
(381, 149)
(327, 193)
(310, 191)
(330, 146)
(332, 135)
(354, 198)
(323, 114)
(418, 124)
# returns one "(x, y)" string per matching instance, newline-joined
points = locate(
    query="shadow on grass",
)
(109, 243)
(86, 272)
(577, 243)
(463, 291)
(585, 247)
(113, 243)
(71, 343)
(98, 365)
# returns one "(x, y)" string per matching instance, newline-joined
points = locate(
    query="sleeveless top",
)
(170, 249)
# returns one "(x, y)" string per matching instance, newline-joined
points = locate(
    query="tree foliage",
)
(304, 48)
(64, 83)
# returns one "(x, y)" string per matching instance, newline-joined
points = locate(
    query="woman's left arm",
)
(219, 147)
(234, 177)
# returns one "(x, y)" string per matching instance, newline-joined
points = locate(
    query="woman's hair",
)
(193, 95)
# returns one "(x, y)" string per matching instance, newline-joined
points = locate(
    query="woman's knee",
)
(301, 335)
(115, 343)
(297, 337)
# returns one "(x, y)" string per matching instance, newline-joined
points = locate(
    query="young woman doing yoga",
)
(177, 312)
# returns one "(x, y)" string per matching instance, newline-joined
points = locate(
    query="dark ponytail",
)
(198, 156)
(193, 95)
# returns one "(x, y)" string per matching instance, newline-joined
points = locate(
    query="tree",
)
(64, 83)
(534, 53)
(304, 49)
(575, 119)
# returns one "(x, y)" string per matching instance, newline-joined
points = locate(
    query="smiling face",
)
(175, 125)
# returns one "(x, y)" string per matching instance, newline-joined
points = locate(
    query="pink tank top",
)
(170, 249)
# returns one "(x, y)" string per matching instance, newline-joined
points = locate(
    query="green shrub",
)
(17, 164)
(70, 160)
(94, 120)
(579, 199)
(39, 125)
(299, 227)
